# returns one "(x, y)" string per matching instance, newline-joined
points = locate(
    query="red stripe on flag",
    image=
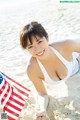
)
(11, 111)
(3, 87)
(7, 91)
(15, 94)
(8, 104)
(22, 92)
(18, 83)
(13, 106)
(10, 118)
(11, 100)
(14, 100)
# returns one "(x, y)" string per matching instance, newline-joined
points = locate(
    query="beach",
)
(62, 22)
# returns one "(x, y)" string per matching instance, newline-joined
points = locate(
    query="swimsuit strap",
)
(69, 66)
(46, 76)
(64, 61)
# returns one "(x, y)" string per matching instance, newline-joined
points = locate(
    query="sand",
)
(62, 21)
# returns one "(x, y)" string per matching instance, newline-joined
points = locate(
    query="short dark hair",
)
(32, 29)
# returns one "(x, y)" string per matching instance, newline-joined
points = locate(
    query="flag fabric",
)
(12, 100)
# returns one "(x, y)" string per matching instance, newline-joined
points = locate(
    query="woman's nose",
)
(37, 48)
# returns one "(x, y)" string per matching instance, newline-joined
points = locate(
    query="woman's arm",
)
(34, 76)
(73, 45)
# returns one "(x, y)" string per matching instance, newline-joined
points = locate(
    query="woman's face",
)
(39, 47)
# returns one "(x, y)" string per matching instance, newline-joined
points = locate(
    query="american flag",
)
(12, 100)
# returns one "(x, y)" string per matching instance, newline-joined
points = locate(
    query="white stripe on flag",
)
(7, 98)
(4, 91)
(19, 106)
(16, 98)
(16, 85)
(11, 108)
(22, 95)
(11, 115)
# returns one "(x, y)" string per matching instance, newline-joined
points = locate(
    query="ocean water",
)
(62, 21)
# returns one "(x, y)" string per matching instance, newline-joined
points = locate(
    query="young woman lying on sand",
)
(51, 63)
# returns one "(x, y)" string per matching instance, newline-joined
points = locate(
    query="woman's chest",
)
(56, 70)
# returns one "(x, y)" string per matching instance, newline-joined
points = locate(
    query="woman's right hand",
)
(43, 103)
(41, 115)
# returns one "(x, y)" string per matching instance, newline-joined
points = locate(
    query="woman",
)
(51, 63)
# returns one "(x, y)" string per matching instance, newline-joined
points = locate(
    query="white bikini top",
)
(72, 67)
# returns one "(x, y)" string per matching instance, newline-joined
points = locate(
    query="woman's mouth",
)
(40, 53)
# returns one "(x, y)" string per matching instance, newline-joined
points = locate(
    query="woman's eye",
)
(30, 47)
(39, 42)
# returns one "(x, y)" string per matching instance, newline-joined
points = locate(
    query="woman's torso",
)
(60, 67)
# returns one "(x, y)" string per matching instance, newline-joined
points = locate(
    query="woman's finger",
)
(40, 118)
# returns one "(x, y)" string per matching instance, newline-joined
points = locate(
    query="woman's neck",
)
(49, 58)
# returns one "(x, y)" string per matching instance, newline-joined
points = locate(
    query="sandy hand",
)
(41, 115)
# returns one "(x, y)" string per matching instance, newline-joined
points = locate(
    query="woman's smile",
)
(40, 53)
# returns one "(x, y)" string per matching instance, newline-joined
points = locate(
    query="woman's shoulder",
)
(32, 63)
(61, 45)
(33, 67)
